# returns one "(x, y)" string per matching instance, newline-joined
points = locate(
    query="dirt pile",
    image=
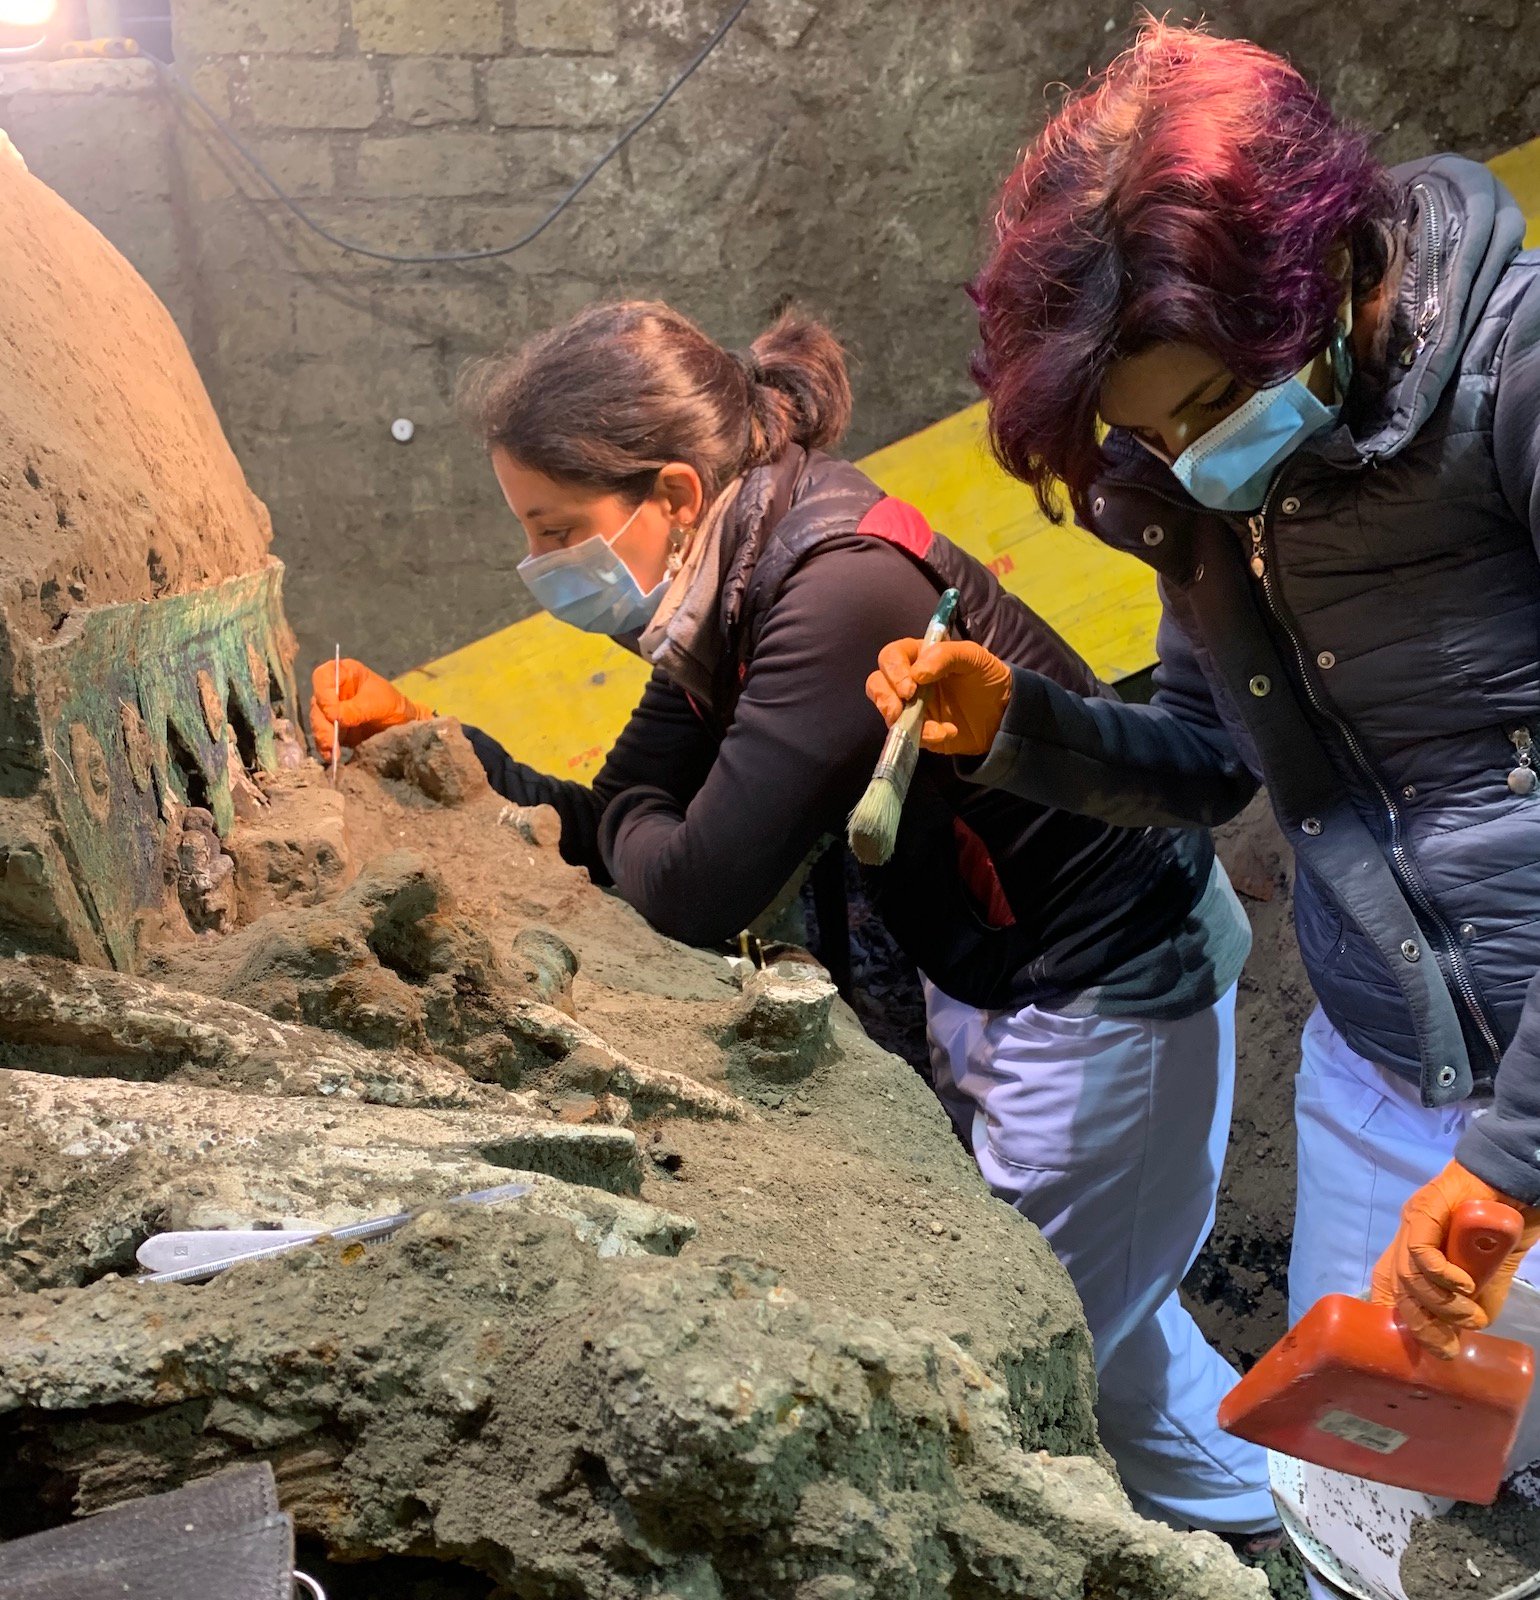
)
(389, 963)
(756, 1329)
(1473, 1550)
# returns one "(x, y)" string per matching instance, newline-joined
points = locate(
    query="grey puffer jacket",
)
(1368, 646)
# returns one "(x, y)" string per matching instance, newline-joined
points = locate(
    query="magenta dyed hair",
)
(1192, 193)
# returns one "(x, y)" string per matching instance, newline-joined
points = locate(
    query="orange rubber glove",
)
(1432, 1296)
(366, 704)
(969, 691)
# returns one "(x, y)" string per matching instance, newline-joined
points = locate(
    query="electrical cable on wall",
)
(172, 78)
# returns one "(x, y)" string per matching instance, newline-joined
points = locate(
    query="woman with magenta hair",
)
(1306, 391)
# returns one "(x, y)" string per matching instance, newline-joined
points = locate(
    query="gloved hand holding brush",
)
(1433, 1298)
(969, 690)
(357, 703)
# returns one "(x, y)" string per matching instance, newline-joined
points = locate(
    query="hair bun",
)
(753, 367)
(612, 396)
(800, 392)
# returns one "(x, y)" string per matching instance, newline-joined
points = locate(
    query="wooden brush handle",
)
(1482, 1234)
(909, 719)
(901, 748)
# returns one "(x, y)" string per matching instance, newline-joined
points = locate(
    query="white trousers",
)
(1109, 1133)
(1365, 1142)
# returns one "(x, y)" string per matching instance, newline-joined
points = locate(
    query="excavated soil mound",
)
(756, 1328)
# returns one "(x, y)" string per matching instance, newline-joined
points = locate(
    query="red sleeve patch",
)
(899, 523)
(977, 868)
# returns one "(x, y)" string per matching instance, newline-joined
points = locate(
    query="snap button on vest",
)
(1260, 685)
(1410, 949)
(1099, 504)
(1311, 825)
(1290, 506)
(1467, 930)
(1153, 534)
(1326, 660)
(1446, 1076)
(1409, 792)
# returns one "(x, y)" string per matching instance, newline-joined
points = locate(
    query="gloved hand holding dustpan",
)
(1434, 1298)
(1350, 1387)
(1355, 1534)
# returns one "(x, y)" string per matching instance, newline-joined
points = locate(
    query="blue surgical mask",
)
(589, 586)
(1230, 467)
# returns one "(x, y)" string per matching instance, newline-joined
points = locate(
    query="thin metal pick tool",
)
(370, 1231)
(337, 704)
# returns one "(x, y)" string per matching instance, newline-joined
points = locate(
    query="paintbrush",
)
(873, 826)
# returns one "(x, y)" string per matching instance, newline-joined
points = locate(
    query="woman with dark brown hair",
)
(678, 497)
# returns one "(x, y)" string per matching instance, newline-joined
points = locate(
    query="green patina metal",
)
(134, 701)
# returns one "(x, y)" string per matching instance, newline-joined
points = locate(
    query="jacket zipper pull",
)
(1258, 527)
(1418, 342)
(1523, 779)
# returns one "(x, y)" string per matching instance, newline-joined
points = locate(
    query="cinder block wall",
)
(841, 152)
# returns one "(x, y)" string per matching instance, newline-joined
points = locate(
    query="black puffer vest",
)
(1002, 903)
(1372, 642)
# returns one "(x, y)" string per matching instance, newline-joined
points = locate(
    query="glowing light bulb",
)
(27, 13)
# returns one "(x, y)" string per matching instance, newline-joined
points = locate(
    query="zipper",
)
(1429, 260)
(1447, 950)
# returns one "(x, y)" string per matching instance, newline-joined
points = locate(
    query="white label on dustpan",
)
(1373, 1436)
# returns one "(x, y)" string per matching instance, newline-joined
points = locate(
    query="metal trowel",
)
(1350, 1389)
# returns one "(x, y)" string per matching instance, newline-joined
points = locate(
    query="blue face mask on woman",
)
(1230, 467)
(589, 586)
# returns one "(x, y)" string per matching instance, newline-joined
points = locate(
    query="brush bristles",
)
(873, 827)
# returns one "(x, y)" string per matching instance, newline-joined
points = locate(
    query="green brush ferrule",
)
(941, 618)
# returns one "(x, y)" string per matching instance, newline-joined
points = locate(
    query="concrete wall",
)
(101, 134)
(841, 152)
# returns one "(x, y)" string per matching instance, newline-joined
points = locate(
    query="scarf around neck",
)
(684, 639)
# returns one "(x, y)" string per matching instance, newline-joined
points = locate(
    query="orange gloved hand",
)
(969, 690)
(1433, 1298)
(357, 703)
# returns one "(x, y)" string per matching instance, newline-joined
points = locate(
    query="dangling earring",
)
(1342, 359)
(1341, 350)
(675, 552)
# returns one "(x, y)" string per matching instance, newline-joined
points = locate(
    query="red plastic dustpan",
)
(1350, 1389)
